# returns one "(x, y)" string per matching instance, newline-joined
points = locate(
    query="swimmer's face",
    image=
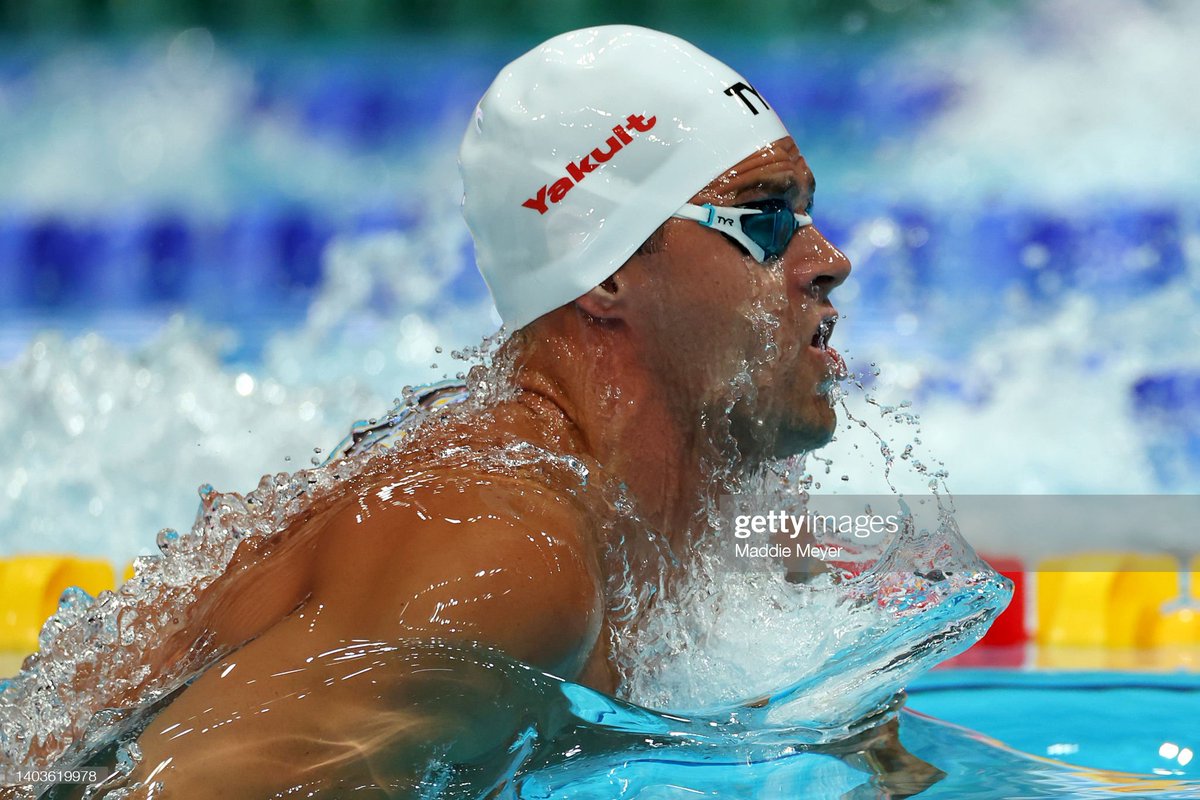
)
(741, 336)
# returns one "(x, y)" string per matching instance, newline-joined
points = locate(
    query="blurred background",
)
(229, 230)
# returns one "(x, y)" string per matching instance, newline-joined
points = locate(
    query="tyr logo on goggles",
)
(764, 231)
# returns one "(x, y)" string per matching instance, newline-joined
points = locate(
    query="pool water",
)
(1022, 299)
(992, 276)
(1131, 722)
(1096, 735)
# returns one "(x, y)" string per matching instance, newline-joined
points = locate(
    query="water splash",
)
(815, 653)
(91, 675)
(91, 680)
(971, 438)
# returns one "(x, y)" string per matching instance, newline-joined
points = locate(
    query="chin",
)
(794, 442)
(808, 434)
(802, 430)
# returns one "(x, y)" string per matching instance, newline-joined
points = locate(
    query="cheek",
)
(701, 303)
(770, 319)
(707, 310)
(728, 319)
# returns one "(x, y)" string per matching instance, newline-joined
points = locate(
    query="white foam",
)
(170, 121)
(1063, 100)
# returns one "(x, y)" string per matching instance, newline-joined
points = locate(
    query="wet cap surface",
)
(583, 146)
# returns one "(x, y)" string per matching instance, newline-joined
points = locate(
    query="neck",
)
(595, 397)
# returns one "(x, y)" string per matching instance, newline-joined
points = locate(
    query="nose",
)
(819, 266)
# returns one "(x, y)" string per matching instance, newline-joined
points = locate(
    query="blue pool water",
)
(1131, 722)
(1023, 286)
(1104, 732)
(299, 208)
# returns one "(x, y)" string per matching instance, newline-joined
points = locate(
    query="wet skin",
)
(420, 554)
(634, 379)
(704, 301)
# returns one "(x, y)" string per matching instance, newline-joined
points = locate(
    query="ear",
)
(605, 301)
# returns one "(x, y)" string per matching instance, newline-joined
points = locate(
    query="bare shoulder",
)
(504, 560)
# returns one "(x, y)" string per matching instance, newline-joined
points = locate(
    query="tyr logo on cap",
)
(578, 170)
(741, 89)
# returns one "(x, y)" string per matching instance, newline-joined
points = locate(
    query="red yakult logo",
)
(578, 170)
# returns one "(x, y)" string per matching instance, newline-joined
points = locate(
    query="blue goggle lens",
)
(771, 230)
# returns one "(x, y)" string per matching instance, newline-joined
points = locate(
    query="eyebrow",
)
(781, 184)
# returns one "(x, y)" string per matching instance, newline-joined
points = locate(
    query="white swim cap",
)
(583, 146)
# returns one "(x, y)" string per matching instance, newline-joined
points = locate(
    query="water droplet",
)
(167, 539)
(73, 597)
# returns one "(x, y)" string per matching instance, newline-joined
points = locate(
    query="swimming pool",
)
(1129, 722)
(1033, 322)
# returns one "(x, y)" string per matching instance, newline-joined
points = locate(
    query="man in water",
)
(642, 219)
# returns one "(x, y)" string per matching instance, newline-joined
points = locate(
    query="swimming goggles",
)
(764, 229)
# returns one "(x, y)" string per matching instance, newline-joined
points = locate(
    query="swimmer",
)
(643, 221)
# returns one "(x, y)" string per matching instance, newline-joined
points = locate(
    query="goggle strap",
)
(704, 214)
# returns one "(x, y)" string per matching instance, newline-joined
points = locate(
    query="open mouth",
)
(820, 339)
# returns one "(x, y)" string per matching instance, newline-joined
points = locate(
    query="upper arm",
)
(267, 578)
(472, 562)
(481, 560)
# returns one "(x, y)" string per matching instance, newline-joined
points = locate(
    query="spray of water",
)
(814, 674)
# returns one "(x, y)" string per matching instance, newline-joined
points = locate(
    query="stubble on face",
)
(732, 337)
(777, 398)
